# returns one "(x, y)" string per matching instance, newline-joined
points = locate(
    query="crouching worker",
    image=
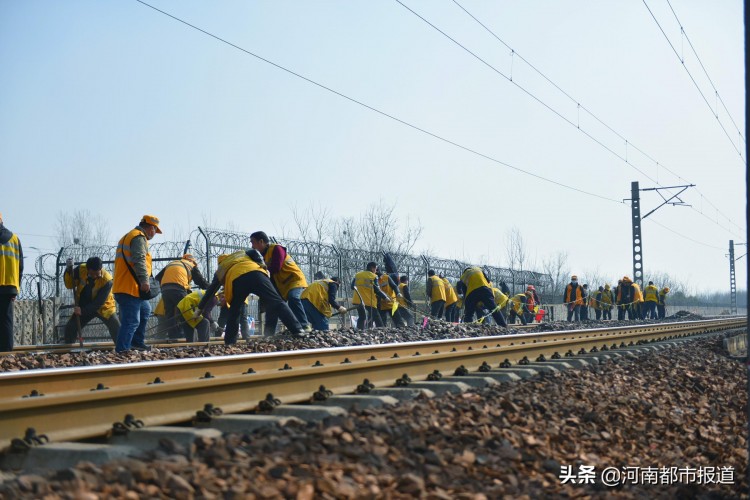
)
(518, 308)
(319, 301)
(93, 289)
(478, 296)
(194, 319)
(242, 273)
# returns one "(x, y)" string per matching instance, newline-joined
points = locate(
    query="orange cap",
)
(153, 220)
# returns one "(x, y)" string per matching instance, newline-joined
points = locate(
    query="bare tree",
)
(515, 250)
(556, 266)
(312, 224)
(81, 227)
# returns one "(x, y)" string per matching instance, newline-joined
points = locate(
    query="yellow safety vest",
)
(438, 289)
(187, 306)
(10, 263)
(233, 266)
(384, 283)
(124, 280)
(178, 272)
(364, 281)
(401, 299)
(317, 294)
(473, 278)
(637, 294)
(500, 298)
(108, 308)
(290, 276)
(450, 293)
(662, 297)
(516, 303)
(652, 293)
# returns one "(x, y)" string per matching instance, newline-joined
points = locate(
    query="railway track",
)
(84, 402)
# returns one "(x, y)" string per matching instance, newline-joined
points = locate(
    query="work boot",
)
(142, 347)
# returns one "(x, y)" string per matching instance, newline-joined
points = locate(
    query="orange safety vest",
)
(386, 305)
(124, 280)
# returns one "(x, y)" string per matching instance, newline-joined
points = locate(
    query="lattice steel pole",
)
(732, 280)
(637, 238)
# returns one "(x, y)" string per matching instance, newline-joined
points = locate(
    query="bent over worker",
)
(11, 270)
(319, 301)
(194, 319)
(286, 275)
(175, 281)
(661, 306)
(92, 286)
(365, 297)
(478, 296)
(451, 298)
(242, 273)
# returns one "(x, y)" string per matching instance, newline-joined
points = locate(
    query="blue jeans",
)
(295, 304)
(316, 318)
(134, 314)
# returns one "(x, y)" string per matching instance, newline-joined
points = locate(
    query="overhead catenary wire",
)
(682, 61)
(579, 107)
(380, 112)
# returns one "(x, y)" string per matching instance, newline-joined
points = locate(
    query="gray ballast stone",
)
(309, 413)
(148, 438)
(247, 423)
(54, 456)
(361, 401)
(519, 371)
(476, 380)
(441, 388)
(402, 393)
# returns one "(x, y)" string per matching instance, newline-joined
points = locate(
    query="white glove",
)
(196, 313)
(342, 309)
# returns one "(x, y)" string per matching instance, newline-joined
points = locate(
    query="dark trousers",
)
(437, 308)
(370, 314)
(172, 295)
(649, 309)
(71, 328)
(395, 318)
(661, 309)
(478, 301)
(621, 312)
(407, 318)
(598, 314)
(451, 314)
(6, 322)
(294, 304)
(606, 313)
(244, 327)
(259, 283)
(574, 312)
(513, 315)
(201, 328)
(584, 313)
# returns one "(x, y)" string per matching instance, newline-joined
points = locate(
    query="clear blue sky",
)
(114, 107)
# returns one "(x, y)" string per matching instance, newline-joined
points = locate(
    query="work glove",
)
(196, 313)
(342, 309)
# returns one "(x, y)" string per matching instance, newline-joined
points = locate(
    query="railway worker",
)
(131, 284)
(289, 279)
(605, 299)
(404, 302)
(573, 299)
(530, 307)
(175, 281)
(585, 302)
(637, 301)
(319, 301)
(242, 273)
(626, 298)
(620, 306)
(11, 271)
(366, 292)
(385, 306)
(451, 299)
(661, 306)
(501, 299)
(92, 286)
(650, 300)
(436, 293)
(517, 308)
(478, 296)
(193, 319)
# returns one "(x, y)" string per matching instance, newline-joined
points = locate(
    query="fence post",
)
(208, 253)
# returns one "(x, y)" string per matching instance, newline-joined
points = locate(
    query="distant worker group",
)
(269, 272)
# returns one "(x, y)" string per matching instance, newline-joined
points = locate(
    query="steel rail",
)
(73, 408)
